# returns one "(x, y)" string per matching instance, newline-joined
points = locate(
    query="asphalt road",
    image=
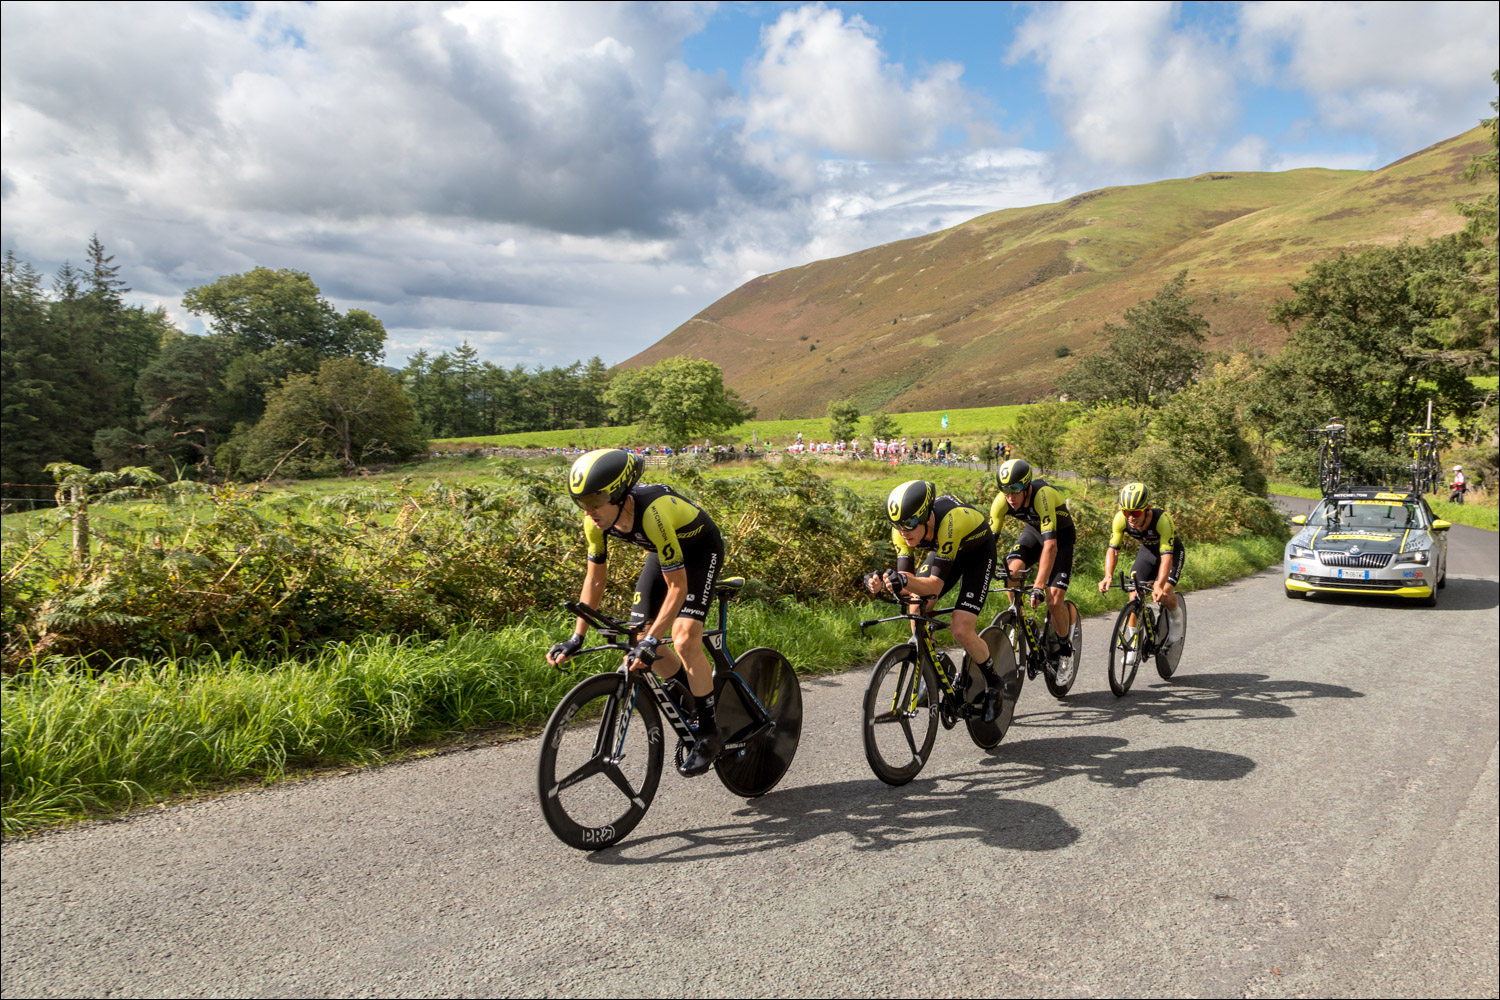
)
(1309, 809)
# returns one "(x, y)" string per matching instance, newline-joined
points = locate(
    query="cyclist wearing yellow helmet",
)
(1046, 542)
(1159, 559)
(960, 552)
(685, 554)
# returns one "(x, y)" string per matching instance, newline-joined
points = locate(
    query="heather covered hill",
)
(974, 315)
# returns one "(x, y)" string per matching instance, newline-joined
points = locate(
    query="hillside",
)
(972, 316)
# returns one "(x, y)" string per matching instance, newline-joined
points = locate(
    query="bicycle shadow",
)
(1188, 698)
(956, 807)
(1104, 760)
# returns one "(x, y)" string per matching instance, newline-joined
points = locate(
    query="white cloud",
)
(1410, 73)
(547, 181)
(1132, 90)
(824, 83)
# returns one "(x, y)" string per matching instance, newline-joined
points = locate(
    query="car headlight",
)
(1419, 556)
(1301, 552)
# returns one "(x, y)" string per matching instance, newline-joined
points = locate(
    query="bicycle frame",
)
(1141, 590)
(926, 651)
(623, 636)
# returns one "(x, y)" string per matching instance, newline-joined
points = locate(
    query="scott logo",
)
(894, 508)
(577, 478)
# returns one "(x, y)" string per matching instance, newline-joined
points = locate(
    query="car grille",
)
(1365, 560)
(1333, 581)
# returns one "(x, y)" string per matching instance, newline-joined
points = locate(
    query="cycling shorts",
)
(1028, 549)
(703, 564)
(971, 572)
(1148, 564)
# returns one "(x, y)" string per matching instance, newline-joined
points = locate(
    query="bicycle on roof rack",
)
(1424, 471)
(914, 687)
(1330, 441)
(603, 746)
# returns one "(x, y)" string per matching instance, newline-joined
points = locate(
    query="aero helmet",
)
(604, 476)
(910, 503)
(1135, 496)
(1014, 476)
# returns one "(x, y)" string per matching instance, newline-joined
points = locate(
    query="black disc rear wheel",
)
(900, 715)
(987, 735)
(755, 768)
(1167, 659)
(601, 761)
(1061, 681)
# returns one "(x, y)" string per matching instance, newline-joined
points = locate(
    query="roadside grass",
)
(81, 743)
(1476, 513)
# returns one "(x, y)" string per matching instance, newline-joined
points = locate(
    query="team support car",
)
(1369, 541)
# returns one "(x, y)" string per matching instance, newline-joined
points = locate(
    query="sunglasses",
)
(1012, 487)
(911, 522)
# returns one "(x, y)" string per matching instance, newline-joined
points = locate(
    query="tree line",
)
(282, 383)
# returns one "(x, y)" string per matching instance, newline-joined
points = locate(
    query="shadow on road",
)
(1459, 595)
(960, 808)
(1106, 761)
(1186, 698)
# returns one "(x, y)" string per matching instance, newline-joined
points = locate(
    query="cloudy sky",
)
(554, 181)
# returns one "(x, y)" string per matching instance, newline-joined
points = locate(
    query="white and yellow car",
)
(1369, 541)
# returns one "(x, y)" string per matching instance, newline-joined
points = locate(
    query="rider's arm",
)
(998, 508)
(594, 579)
(1111, 557)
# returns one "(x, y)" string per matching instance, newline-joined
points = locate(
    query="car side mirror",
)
(1441, 525)
(1300, 519)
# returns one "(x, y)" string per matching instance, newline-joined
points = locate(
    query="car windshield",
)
(1367, 514)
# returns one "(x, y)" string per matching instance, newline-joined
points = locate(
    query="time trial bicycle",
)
(1030, 635)
(1140, 631)
(603, 747)
(914, 687)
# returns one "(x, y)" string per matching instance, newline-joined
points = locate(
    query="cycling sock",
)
(987, 669)
(707, 723)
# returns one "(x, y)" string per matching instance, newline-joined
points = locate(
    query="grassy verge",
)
(80, 744)
(1476, 513)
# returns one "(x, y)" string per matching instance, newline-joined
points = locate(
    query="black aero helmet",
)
(910, 503)
(1014, 476)
(604, 476)
(1135, 496)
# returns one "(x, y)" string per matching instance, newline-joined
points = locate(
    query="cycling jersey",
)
(962, 553)
(1158, 534)
(1047, 511)
(960, 530)
(665, 524)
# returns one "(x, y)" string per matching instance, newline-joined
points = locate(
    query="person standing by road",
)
(1459, 486)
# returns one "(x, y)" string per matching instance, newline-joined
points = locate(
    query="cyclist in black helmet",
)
(685, 556)
(1046, 542)
(1159, 559)
(961, 551)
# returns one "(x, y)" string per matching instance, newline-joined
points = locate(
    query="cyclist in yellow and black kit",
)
(960, 551)
(1046, 542)
(1159, 559)
(685, 554)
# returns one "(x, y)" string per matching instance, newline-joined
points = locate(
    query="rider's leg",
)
(964, 630)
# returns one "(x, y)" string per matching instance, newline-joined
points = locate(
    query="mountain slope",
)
(972, 316)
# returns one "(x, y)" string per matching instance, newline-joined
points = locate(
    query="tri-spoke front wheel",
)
(1125, 648)
(601, 761)
(901, 715)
